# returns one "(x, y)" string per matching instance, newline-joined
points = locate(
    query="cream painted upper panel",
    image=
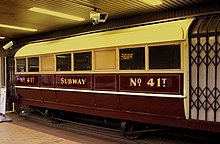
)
(161, 32)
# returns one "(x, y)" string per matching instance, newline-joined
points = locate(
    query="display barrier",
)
(3, 117)
(2, 100)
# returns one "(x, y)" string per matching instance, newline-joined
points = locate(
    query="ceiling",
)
(15, 12)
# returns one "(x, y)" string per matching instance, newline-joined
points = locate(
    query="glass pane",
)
(132, 58)
(82, 61)
(164, 57)
(33, 64)
(21, 65)
(63, 62)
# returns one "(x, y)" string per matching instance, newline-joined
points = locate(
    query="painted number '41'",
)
(30, 80)
(159, 82)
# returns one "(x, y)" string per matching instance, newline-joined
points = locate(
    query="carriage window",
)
(82, 61)
(132, 58)
(33, 64)
(47, 63)
(21, 65)
(164, 57)
(63, 62)
(105, 60)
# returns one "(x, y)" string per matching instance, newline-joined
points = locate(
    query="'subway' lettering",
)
(72, 81)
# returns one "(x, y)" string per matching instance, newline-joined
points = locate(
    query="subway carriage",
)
(164, 73)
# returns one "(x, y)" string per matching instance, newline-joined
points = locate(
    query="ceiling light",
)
(2, 37)
(57, 14)
(153, 2)
(17, 27)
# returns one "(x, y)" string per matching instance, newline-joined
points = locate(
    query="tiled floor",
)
(21, 131)
(14, 134)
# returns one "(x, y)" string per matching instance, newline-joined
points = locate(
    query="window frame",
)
(55, 63)
(27, 63)
(16, 65)
(113, 50)
(182, 61)
(131, 70)
(92, 61)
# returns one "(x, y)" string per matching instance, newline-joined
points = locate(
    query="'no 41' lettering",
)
(152, 82)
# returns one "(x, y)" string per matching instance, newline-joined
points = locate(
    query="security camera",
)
(98, 16)
(8, 45)
(95, 21)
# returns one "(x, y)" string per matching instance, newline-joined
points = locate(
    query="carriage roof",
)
(151, 33)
